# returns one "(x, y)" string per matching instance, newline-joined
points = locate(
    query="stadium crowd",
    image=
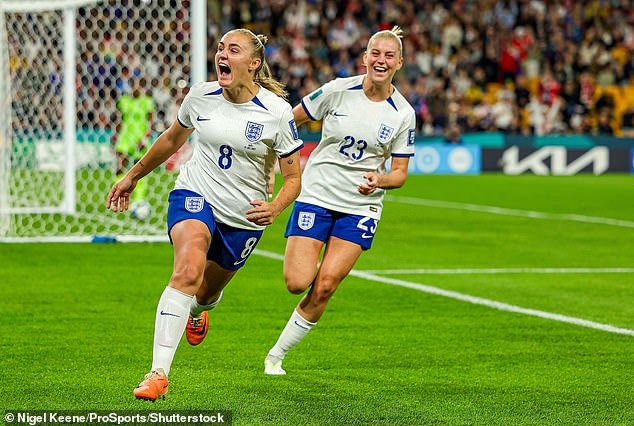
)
(519, 66)
(526, 67)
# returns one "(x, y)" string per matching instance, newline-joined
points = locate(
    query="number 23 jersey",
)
(358, 136)
(237, 146)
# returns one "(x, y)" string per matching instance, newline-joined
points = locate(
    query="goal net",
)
(65, 67)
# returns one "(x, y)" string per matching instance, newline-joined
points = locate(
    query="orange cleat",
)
(153, 386)
(196, 329)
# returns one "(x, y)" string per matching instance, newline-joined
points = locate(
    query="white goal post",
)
(64, 66)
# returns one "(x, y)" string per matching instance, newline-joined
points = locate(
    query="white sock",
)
(296, 329)
(171, 318)
(195, 310)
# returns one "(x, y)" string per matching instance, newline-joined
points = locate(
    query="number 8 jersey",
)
(358, 136)
(236, 148)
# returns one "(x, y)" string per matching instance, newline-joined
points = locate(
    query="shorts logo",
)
(385, 133)
(306, 220)
(194, 204)
(294, 129)
(253, 131)
(410, 138)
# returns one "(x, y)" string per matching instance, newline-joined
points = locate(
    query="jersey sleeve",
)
(403, 145)
(317, 103)
(184, 112)
(288, 140)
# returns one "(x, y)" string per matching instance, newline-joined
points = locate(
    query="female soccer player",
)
(365, 122)
(219, 206)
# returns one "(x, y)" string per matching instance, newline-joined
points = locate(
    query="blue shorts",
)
(309, 220)
(230, 247)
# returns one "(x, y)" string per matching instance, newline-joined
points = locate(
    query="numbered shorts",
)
(230, 247)
(309, 220)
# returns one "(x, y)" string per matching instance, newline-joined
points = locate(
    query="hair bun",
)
(397, 31)
(263, 39)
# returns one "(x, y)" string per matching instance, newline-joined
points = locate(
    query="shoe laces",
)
(197, 322)
(152, 374)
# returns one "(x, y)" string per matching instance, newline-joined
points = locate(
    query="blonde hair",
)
(396, 33)
(263, 75)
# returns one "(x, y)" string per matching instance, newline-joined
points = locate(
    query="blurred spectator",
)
(502, 110)
(453, 135)
(549, 88)
(604, 127)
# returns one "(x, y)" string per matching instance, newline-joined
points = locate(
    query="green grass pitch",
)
(77, 319)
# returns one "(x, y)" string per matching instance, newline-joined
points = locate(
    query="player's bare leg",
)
(300, 262)
(338, 260)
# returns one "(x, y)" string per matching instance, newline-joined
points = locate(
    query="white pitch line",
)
(494, 304)
(475, 300)
(470, 271)
(269, 254)
(510, 212)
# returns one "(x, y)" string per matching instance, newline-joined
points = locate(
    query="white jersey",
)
(236, 147)
(358, 136)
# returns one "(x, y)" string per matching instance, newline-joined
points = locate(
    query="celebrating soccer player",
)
(365, 122)
(219, 206)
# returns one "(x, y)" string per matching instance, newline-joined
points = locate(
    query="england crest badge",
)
(385, 133)
(306, 220)
(194, 204)
(253, 131)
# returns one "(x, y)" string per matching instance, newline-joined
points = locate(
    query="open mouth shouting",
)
(224, 71)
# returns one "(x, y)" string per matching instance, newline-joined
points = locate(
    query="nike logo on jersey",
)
(364, 235)
(169, 314)
(239, 261)
(337, 114)
(199, 118)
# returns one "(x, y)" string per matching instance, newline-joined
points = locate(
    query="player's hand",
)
(119, 195)
(263, 213)
(371, 184)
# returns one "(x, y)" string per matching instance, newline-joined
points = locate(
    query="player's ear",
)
(255, 64)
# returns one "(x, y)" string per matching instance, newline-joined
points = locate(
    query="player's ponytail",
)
(263, 75)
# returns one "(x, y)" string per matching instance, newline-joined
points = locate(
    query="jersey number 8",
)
(224, 161)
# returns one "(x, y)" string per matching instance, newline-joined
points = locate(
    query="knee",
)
(323, 290)
(296, 284)
(187, 276)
